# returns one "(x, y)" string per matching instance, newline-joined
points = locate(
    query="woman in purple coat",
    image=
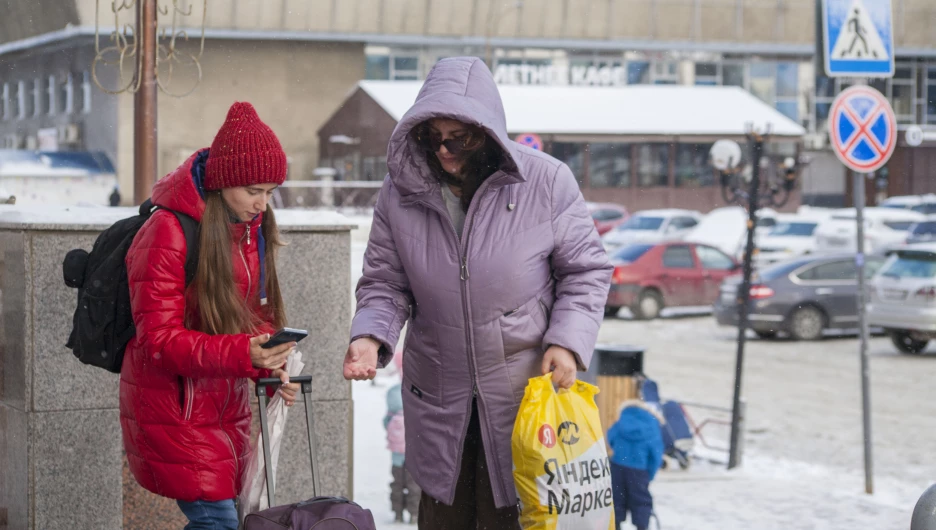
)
(487, 249)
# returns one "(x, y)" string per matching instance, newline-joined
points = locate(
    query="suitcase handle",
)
(305, 382)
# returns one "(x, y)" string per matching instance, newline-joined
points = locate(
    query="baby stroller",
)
(677, 436)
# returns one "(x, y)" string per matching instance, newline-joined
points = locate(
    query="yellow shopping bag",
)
(560, 463)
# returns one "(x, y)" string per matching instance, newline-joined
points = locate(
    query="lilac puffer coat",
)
(529, 271)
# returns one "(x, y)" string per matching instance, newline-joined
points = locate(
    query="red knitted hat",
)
(244, 152)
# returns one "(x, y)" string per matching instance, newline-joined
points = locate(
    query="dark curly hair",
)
(480, 164)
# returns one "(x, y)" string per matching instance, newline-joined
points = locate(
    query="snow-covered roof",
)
(638, 110)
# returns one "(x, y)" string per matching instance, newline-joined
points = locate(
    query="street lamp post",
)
(726, 157)
(140, 50)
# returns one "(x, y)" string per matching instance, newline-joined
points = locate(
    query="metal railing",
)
(325, 193)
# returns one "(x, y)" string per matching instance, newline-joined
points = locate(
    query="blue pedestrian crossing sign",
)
(862, 129)
(858, 38)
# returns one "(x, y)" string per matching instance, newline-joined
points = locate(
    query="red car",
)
(607, 216)
(648, 277)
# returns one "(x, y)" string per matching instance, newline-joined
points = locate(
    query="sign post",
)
(857, 38)
(863, 133)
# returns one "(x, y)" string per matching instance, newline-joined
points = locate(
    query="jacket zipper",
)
(464, 275)
(228, 381)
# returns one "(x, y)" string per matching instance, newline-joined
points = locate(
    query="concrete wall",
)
(61, 454)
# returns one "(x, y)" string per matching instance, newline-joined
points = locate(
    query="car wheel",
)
(907, 344)
(807, 323)
(648, 306)
(611, 310)
(766, 335)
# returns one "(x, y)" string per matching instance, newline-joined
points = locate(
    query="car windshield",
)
(781, 269)
(630, 253)
(910, 264)
(927, 208)
(926, 227)
(896, 206)
(641, 222)
(801, 229)
(902, 226)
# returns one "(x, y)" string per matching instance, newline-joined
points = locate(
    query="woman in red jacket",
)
(184, 396)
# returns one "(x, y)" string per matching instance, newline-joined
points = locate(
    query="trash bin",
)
(615, 369)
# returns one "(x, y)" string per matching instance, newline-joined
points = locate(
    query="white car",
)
(903, 297)
(726, 229)
(793, 235)
(652, 226)
(885, 228)
(925, 204)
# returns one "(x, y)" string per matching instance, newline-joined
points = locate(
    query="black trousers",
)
(473, 507)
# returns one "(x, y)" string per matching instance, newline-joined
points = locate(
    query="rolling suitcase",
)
(318, 513)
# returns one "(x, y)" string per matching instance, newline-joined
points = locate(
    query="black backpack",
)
(103, 323)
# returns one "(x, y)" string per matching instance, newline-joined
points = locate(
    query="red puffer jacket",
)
(184, 395)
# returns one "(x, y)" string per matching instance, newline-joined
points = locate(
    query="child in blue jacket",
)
(637, 445)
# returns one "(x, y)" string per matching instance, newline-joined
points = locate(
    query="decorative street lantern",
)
(146, 56)
(725, 156)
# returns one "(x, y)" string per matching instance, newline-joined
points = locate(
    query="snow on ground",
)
(802, 461)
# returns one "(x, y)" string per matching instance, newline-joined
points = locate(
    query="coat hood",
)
(181, 190)
(638, 421)
(459, 88)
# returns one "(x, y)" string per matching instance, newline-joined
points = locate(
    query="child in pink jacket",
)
(404, 493)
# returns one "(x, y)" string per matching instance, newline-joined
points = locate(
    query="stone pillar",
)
(61, 455)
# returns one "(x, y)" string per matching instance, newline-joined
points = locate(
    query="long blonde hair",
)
(221, 307)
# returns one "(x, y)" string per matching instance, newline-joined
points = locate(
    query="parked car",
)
(925, 204)
(803, 296)
(652, 226)
(726, 229)
(792, 236)
(903, 297)
(607, 216)
(922, 232)
(648, 277)
(885, 228)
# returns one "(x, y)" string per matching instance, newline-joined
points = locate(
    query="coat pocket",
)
(523, 328)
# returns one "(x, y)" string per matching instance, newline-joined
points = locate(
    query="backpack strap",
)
(191, 229)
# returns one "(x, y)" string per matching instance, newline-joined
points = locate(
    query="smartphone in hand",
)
(285, 335)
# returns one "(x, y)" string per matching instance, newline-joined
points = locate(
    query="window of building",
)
(763, 81)
(706, 73)
(733, 74)
(85, 92)
(902, 92)
(375, 167)
(51, 90)
(5, 110)
(665, 73)
(28, 100)
(692, 166)
(574, 156)
(37, 97)
(16, 101)
(377, 67)
(22, 97)
(931, 95)
(653, 165)
(404, 67)
(638, 73)
(66, 95)
(609, 165)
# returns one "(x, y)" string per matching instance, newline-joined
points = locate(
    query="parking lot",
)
(804, 419)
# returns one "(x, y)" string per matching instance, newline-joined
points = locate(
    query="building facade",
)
(297, 60)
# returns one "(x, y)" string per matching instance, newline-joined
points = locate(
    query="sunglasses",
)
(432, 141)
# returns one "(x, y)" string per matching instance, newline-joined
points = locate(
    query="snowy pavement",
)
(802, 467)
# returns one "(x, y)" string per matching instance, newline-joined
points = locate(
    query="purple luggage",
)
(317, 513)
